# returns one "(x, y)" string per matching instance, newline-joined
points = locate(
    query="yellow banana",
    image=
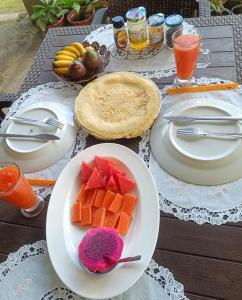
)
(72, 49)
(67, 53)
(79, 47)
(64, 71)
(89, 48)
(64, 57)
(62, 63)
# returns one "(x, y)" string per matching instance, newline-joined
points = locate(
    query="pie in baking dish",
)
(117, 105)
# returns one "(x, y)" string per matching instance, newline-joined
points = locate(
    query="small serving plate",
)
(34, 155)
(202, 161)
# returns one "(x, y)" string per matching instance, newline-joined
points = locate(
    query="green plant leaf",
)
(37, 14)
(76, 6)
(41, 24)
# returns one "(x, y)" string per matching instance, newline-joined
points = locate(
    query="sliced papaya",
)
(90, 198)
(108, 198)
(116, 204)
(123, 223)
(98, 216)
(129, 202)
(111, 219)
(82, 195)
(86, 215)
(76, 212)
(99, 198)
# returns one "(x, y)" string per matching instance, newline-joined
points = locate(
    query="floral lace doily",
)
(28, 274)
(202, 204)
(58, 92)
(144, 62)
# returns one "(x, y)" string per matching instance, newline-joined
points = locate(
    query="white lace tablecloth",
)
(212, 204)
(28, 275)
(152, 63)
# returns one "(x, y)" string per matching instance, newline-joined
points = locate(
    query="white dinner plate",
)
(63, 238)
(34, 155)
(203, 161)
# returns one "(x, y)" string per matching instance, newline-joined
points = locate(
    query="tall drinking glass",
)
(15, 189)
(187, 47)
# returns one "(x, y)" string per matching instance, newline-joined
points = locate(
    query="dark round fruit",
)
(91, 60)
(77, 70)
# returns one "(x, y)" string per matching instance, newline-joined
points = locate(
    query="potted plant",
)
(82, 11)
(218, 9)
(48, 14)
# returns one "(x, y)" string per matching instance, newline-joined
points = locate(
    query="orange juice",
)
(186, 50)
(14, 187)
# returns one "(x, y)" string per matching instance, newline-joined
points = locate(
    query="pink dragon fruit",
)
(100, 249)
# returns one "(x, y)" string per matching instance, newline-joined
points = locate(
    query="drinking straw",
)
(212, 87)
(41, 182)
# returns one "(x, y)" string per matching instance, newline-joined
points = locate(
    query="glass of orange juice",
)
(187, 47)
(15, 189)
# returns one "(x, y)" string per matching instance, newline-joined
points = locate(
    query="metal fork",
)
(194, 131)
(49, 121)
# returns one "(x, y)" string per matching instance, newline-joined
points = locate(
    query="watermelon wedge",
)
(125, 184)
(95, 181)
(111, 184)
(103, 165)
(86, 171)
(114, 170)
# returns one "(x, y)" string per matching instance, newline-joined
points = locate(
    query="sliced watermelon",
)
(114, 170)
(103, 165)
(125, 184)
(111, 184)
(95, 181)
(86, 171)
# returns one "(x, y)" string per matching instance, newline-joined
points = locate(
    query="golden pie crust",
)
(117, 105)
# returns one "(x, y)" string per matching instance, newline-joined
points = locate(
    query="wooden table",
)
(206, 259)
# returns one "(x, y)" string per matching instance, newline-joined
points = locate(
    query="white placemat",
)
(28, 274)
(211, 204)
(57, 92)
(150, 62)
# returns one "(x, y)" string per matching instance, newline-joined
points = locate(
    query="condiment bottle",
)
(137, 27)
(119, 31)
(156, 30)
(172, 24)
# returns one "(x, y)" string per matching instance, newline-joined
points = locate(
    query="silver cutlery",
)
(114, 264)
(41, 136)
(189, 119)
(201, 132)
(48, 121)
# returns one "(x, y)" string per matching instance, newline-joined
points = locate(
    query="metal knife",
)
(41, 136)
(189, 119)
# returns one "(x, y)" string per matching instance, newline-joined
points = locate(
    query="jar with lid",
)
(137, 27)
(172, 24)
(119, 32)
(156, 30)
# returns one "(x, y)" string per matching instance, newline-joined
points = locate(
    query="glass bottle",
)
(119, 32)
(137, 27)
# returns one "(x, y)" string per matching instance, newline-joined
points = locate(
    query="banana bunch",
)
(67, 55)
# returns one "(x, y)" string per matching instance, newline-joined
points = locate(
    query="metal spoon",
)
(114, 264)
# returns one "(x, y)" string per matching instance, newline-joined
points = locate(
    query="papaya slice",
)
(99, 198)
(98, 216)
(82, 195)
(123, 223)
(129, 202)
(90, 198)
(108, 198)
(76, 212)
(111, 219)
(116, 204)
(86, 215)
